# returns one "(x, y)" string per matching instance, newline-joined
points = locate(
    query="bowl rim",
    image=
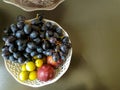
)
(68, 60)
(25, 8)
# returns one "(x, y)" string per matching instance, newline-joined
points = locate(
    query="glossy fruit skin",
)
(20, 25)
(27, 29)
(34, 34)
(52, 40)
(54, 63)
(59, 31)
(10, 40)
(30, 66)
(17, 55)
(39, 62)
(39, 38)
(13, 28)
(39, 50)
(45, 73)
(20, 34)
(56, 57)
(23, 75)
(33, 75)
(34, 53)
(12, 49)
(31, 45)
(23, 67)
(11, 58)
(21, 60)
(45, 45)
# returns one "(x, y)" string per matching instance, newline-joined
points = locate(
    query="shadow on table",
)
(4, 20)
(57, 14)
(78, 61)
(83, 87)
(79, 87)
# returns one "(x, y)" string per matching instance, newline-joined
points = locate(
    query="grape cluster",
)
(38, 38)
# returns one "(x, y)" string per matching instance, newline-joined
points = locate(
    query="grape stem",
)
(29, 20)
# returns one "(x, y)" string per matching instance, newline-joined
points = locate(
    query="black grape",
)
(27, 29)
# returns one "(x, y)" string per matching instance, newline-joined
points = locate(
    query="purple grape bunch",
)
(38, 38)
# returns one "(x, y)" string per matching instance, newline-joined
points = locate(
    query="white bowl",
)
(14, 68)
(43, 5)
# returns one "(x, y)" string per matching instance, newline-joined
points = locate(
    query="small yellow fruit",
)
(35, 57)
(33, 75)
(23, 75)
(23, 67)
(39, 63)
(30, 66)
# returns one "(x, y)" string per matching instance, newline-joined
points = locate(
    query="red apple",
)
(56, 64)
(45, 73)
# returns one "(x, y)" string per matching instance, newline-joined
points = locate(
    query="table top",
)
(94, 29)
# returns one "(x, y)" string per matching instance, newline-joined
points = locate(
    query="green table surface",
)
(94, 29)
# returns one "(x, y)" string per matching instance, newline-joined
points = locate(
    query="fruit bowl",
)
(32, 5)
(15, 68)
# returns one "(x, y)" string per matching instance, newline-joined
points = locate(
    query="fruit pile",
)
(37, 69)
(35, 38)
